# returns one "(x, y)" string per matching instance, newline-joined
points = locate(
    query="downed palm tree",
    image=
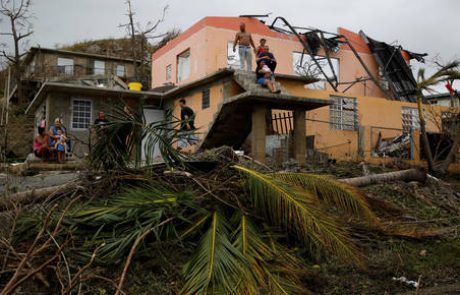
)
(121, 140)
(448, 72)
(241, 233)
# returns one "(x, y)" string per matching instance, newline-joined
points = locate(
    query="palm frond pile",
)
(233, 230)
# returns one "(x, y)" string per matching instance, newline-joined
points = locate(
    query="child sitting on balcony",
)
(264, 77)
(267, 71)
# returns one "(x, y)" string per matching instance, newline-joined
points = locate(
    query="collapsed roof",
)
(394, 68)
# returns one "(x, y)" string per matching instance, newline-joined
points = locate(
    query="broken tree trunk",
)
(405, 175)
(452, 153)
(33, 196)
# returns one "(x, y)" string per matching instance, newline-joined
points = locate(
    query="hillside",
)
(121, 47)
(118, 47)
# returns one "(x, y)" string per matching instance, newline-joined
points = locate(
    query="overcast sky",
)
(429, 26)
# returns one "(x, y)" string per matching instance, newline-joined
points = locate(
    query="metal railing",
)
(70, 71)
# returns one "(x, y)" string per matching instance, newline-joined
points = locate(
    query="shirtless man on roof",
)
(245, 42)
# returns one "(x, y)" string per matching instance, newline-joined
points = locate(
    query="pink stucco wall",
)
(207, 41)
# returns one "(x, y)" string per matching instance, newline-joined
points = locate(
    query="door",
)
(151, 115)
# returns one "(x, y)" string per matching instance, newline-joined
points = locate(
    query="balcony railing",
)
(70, 71)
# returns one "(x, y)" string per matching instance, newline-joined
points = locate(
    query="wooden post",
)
(258, 133)
(300, 142)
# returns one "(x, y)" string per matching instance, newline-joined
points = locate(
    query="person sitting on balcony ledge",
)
(245, 42)
(268, 58)
(264, 77)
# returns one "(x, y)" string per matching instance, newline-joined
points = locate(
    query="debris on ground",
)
(414, 237)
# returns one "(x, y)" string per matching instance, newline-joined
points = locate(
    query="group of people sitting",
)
(52, 143)
(266, 62)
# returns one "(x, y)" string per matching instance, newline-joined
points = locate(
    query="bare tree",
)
(447, 72)
(140, 36)
(17, 13)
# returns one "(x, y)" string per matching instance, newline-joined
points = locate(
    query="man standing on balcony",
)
(245, 42)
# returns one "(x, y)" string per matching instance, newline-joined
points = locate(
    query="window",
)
(81, 113)
(205, 99)
(303, 65)
(233, 58)
(120, 71)
(344, 113)
(183, 66)
(99, 67)
(168, 72)
(410, 119)
(65, 66)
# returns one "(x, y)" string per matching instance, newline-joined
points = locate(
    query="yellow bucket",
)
(136, 86)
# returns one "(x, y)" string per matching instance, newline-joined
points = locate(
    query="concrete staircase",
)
(247, 80)
(230, 126)
(232, 123)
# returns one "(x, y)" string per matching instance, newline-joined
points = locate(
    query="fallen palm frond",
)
(299, 211)
(240, 231)
(217, 264)
(345, 198)
(120, 142)
(127, 217)
(270, 269)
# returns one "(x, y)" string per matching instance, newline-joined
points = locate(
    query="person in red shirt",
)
(261, 47)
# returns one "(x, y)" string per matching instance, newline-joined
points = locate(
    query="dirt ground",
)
(432, 263)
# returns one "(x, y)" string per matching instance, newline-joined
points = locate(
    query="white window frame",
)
(182, 76)
(308, 67)
(72, 113)
(409, 115)
(68, 64)
(118, 69)
(340, 113)
(99, 67)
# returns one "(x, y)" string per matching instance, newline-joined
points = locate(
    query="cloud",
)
(420, 26)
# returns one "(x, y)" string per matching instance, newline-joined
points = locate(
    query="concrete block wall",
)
(60, 105)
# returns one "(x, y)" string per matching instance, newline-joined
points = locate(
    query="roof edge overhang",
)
(49, 87)
(34, 50)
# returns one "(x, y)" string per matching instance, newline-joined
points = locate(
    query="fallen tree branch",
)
(133, 251)
(404, 175)
(35, 195)
(14, 286)
(77, 277)
(12, 283)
